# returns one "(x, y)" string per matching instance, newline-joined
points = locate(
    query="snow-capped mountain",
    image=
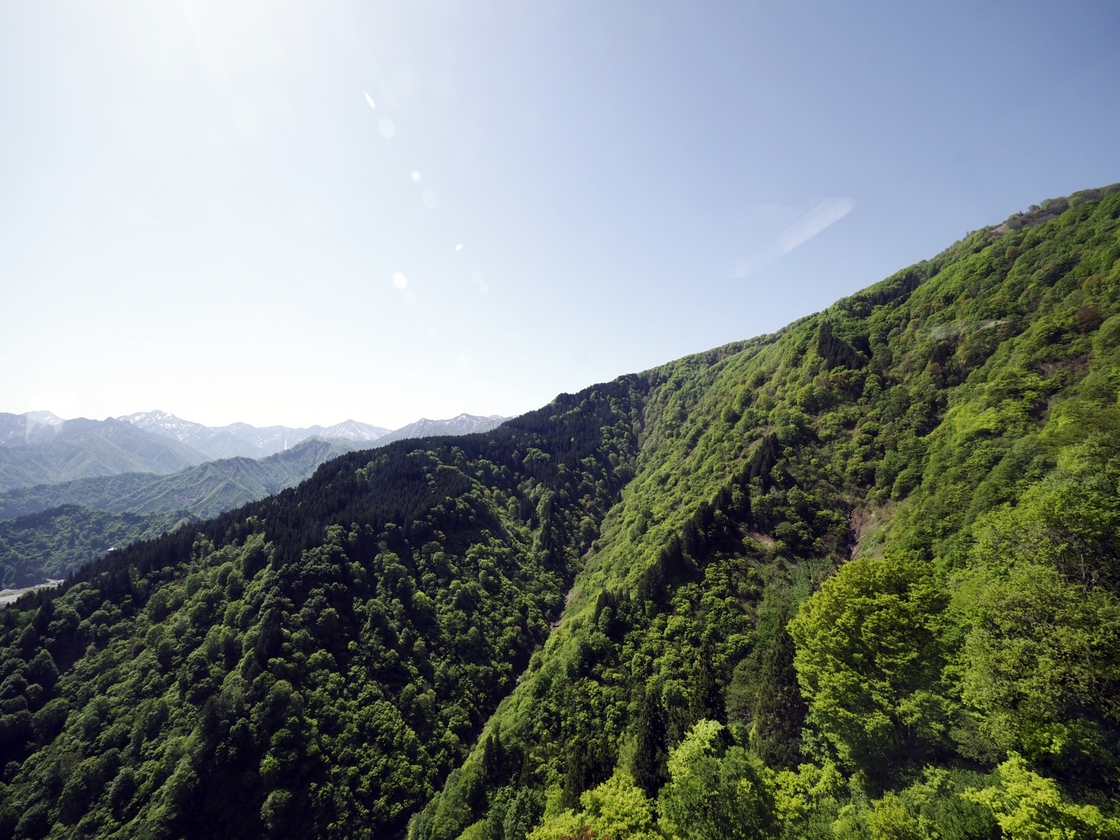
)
(259, 441)
(28, 428)
(244, 439)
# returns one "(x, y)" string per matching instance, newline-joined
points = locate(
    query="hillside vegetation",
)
(51, 530)
(858, 579)
(56, 542)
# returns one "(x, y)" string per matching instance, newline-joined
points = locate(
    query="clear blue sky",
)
(201, 212)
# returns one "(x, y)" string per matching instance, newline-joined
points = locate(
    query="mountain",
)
(463, 424)
(37, 452)
(61, 527)
(52, 544)
(858, 578)
(204, 491)
(32, 426)
(241, 439)
(244, 440)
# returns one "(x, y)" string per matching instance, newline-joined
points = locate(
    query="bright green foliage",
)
(312, 665)
(937, 806)
(805, 792)
(877, 436)
(617, 809)
(714, 793)
(1030, 807)
(869, 659)
(1041, 658)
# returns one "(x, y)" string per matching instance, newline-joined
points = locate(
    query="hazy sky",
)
(303, 212)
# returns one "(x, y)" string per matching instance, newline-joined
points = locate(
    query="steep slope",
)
(83, 448)
(855, 579)
(316, 663)
(890, 428)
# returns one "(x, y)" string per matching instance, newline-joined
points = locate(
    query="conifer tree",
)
(650, 757)
(780, 710)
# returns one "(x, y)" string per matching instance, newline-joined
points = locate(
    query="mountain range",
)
(49, 452)
(243, 440)
(859, 578)
(100, 511)
(39, 448)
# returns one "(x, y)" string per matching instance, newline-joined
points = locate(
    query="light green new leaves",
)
(869, 660)
(1030, 807)
(712, 796)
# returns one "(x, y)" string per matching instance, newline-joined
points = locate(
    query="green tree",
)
(870, 657)
(714, 793)
(779, 712)
(1041, 656)
(1030, 807)
(651, 754)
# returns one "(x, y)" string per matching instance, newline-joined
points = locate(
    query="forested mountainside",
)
(317, 662)
(856, 579)
(83, 448)
(51, 530)
(56, 542)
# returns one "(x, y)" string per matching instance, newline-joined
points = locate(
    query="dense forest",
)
(59, 541)
(857, 579)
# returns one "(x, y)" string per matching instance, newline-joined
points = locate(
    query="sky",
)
(303, 212)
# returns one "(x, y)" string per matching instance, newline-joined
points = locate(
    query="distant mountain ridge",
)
(204, 490)
(243, 439)
(22, 429)
(38, 447)
(462, 424)
(98, 510)
(36, 451)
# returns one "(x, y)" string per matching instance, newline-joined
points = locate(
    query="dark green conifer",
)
(652, 751)
(779, 712)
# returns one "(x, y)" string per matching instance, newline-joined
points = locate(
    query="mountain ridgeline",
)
(136, 505)
(36, 453)
(857, 579)
(204, 490)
